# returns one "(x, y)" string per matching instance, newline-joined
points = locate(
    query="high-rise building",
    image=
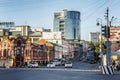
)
(67, 22)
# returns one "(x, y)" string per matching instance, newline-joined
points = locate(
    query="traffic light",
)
(106, 31)
(103, 30)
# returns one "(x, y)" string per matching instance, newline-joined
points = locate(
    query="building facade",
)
(115, 38)
(42, 51)
(94, 37)
(35, 33)
(67, 22)
(21, 51)
(63, 49)
(15, 49)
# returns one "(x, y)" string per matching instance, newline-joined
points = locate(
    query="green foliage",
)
(91, 45)
(96, 48)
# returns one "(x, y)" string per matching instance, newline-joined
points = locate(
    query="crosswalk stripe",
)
(107, 70)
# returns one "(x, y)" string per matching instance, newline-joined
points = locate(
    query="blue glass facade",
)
(68, 22)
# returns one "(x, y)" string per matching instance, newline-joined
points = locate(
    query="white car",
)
(56, 61)
(33, 65)
(51, 64)
(68, 64)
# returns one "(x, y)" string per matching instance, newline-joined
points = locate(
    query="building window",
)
(5, 54)
(35, 39)
(34, 54)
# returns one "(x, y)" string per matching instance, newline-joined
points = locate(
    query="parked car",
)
(63, 62)
(33, 65)
(68, 64)
(50, 65)
(56, 61)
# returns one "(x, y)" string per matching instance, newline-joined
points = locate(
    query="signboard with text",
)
(6, 24)
(114, 34)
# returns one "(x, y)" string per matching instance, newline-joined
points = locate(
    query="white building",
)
(54, 37)
(84, 44)
(94, 37)
(58, 51)
(35, 33)
(67, 50)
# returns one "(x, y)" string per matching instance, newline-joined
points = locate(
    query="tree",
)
(97, 49)
(91, 45)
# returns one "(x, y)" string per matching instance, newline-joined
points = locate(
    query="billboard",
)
(6, 24)
(114, 34)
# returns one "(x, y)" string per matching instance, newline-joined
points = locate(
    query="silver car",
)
(33, 65)
(68, 64)
(51, 64)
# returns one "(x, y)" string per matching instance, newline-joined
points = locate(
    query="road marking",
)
(84, 70)
(54, 69)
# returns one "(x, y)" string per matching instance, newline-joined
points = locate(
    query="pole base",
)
(107, 70)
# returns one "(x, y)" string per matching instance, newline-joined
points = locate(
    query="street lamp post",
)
(112, 19)
(99, 22)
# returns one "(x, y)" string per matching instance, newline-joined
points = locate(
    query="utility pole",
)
(107, 67)
(108, 43)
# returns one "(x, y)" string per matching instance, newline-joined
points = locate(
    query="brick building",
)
(22, 51)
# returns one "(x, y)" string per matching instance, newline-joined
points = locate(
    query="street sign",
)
(101, 53)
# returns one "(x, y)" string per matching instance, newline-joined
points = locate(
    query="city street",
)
(59, 73)
(59, 40)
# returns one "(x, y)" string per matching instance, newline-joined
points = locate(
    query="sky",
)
(40, 13)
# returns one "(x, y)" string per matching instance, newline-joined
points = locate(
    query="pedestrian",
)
(117, 65)
(113, 64)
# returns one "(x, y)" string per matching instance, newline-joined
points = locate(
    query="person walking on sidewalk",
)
(117, 65)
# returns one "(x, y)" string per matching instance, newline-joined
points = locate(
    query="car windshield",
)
(50, 63)
(68, 62)
(56, 60)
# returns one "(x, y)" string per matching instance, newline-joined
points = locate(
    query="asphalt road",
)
(54, 74)
(81, 71)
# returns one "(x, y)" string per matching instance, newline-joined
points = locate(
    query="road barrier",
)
(109, 70)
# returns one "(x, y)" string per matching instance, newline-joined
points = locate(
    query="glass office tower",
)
(67, 22)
